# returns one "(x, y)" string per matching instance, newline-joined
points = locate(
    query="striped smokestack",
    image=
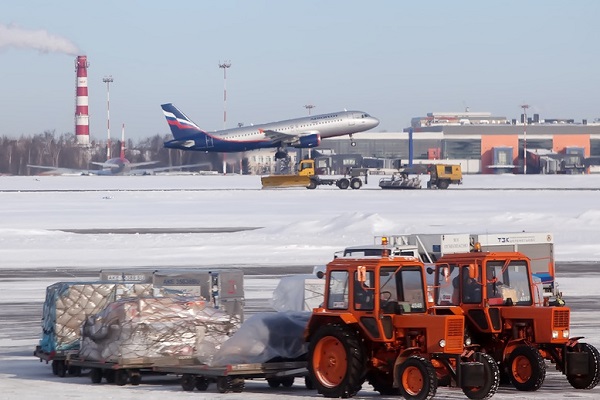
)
(82, 123)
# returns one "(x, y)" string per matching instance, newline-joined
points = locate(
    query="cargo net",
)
(68, 304)
(153, 330)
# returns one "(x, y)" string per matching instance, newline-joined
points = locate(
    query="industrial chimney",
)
(82, 123)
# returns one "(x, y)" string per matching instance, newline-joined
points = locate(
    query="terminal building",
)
(481, 143)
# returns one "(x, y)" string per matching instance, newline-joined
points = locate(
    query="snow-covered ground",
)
(295, 228)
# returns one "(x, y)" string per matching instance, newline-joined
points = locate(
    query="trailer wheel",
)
(188, 382)
(273, 382)
(443, 184)
(590, 380)
(288, 381)
(383, 383)
(336, 361)
(135, 378)
(54, 367)
(61, 369)
(355, 183)
(96, 375)
(526, 368)
(308, 382)
(492, 379)
(201, 383)
(343, 183)
(121, 377)
(74, 371)
(417, 379)
(110, 375)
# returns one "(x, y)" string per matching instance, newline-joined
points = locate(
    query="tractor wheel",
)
(188, 382)
(443, 184)
(590, 380)
(383, 383)
(492, 379)
(336, 361)
(343, 183)
(309, 383)
(202, 383)
(416, 378)
(96, 375)
(526, 368)
(355, 183)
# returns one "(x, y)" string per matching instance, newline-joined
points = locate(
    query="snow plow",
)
(374, 326)
(307, 178)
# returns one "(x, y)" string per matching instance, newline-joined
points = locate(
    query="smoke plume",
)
(41, 40)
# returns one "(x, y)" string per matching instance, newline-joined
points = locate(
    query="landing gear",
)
(352, 142)
(280, 154)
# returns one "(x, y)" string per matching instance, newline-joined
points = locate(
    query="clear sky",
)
(392, 59)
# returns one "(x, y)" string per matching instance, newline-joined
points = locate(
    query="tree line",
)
(62, 151)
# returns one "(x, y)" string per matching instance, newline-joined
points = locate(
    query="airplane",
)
(116, 166)
(300, 133)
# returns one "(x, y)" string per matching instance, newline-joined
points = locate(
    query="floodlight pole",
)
(224, 65)
(309, 107)
(524, 107)
(107, 80)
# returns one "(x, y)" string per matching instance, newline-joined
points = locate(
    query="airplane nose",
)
(374, 122)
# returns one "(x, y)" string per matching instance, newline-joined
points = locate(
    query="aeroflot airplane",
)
(300, 133)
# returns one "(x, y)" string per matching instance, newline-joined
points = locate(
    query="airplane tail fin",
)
(181, 126)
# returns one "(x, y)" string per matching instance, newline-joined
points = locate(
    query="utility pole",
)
(309, 107)
(524, 107)
(107, 80)
(224, 65)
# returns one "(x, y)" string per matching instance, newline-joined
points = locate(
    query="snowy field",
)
(227, 221)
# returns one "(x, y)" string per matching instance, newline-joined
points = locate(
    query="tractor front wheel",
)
(416, 378)
(492, 379)
(336, 361)
(526, 368)
(590, 380)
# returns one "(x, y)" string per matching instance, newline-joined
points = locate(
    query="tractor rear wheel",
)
(336, 361)
(526, 368)
(590, 380)
(492, 379)
(416, 378)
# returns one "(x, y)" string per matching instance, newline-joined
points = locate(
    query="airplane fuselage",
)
(261, 136)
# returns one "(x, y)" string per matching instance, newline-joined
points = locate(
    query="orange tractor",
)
(507, 314)
(374, 326)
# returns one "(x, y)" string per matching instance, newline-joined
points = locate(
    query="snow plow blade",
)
(275, 181)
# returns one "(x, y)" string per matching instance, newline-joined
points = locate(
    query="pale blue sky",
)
(393, 59)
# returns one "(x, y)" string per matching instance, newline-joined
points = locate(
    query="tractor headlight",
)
(554, 334)
(468, 341)
(565, 333)
(442, 343)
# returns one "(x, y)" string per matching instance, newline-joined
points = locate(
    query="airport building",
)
(483, 143)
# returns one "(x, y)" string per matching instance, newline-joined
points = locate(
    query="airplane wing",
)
(150, 171)
(283, 137)
(62, 171)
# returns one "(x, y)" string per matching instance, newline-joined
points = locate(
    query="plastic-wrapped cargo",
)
(266, 337)
(68, 304)
(148, 330)
(298, 293)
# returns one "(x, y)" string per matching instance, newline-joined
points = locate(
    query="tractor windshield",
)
(404, 287)
(507, 282)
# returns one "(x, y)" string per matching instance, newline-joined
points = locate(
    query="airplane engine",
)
(306, 141)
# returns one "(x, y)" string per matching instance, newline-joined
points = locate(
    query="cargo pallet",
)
(58, 359)
(231, 378)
